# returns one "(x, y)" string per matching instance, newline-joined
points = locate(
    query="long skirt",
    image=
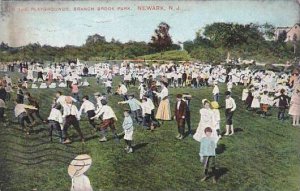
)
(294, 109)
(163, 111)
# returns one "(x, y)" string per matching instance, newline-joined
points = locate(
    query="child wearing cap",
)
(128, 129)
(208, 154)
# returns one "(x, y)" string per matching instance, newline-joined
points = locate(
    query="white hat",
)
(79, 165)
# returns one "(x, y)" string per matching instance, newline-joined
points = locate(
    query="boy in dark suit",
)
(180, 111)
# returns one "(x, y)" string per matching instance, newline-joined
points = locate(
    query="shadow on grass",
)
(139, 146)
(221, 172)
(64, 161)
(91, 137)
(236, 130)
(220, 149)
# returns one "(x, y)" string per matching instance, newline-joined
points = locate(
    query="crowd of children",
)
(263, 89)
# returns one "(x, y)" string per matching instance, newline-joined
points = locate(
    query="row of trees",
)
(224, 40)
(96, 47)
(214, 43)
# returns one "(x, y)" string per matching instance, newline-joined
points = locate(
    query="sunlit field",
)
(263, 154)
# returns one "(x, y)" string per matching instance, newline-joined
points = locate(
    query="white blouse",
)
(164, 93)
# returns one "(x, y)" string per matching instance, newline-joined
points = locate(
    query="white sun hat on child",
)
(79, 165)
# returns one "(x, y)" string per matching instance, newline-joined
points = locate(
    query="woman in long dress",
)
(295, 106)
(207, 119)
(163, 111)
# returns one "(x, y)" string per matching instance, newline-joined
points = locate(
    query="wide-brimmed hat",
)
(214, 105)
(205, 100)
(79, 165)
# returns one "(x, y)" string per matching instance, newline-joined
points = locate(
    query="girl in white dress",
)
(207, 119)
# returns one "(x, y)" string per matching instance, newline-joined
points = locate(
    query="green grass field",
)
(263, 154)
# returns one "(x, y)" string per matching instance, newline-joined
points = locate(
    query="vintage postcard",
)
(149, 95)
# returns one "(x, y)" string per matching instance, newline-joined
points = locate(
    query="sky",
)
(23, 22)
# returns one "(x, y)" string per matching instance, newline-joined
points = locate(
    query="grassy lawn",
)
(263, 154)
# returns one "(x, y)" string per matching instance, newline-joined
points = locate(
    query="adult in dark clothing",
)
(3, 93)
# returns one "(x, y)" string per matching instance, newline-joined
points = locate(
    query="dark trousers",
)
(153, 118)
(76, 95)
(54, 125)
(228, 115)
(194, 82)
(137, 115)
(90, 114)
(179, 82)
(22, 118)
(281, 113)
(188, 121)
(216, 97)
(20, 98)
(71, 120)
(180, 126)
(108, 90)
(35, 114)
(209, 161)
(125, 97)
(1, 114)
(147, 120)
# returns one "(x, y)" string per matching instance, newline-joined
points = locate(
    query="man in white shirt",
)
(230, 107)
(88, 107)
(71, 117)
(55, 121)
(108, 120)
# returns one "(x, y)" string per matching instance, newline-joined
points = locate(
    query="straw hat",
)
(79, 165)
(214, 105)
